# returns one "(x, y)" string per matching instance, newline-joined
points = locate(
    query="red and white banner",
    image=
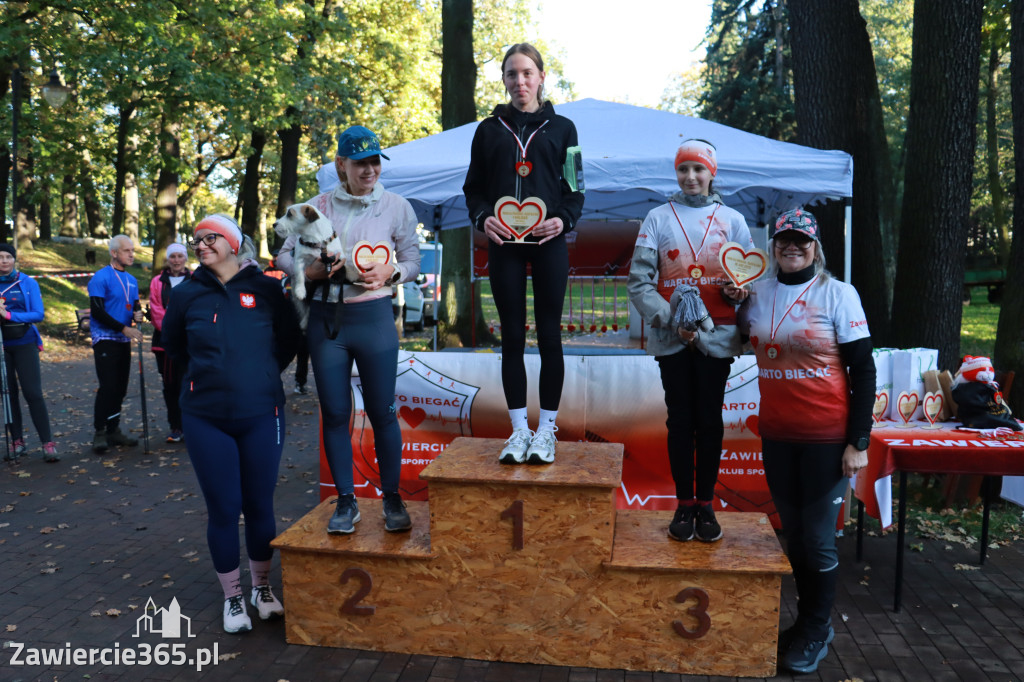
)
(605, 398)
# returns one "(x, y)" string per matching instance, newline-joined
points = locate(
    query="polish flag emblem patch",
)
(247, 300)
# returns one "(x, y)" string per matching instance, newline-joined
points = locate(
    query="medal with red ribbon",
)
(524, 167)
(772, 349)
(695, 270)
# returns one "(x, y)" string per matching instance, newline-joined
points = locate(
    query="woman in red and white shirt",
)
(817, 380)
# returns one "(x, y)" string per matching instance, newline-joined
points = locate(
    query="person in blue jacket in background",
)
(21, 305)
(234, 332)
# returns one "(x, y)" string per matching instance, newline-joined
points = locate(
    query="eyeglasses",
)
(207, 239)
(785, 243)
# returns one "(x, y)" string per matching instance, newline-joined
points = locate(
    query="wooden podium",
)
(534, 564)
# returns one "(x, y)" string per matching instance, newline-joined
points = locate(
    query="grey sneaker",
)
(396, 518)
(99, 442)
(346, 515)
(262, 597)
(514, 451)
(235, 617)
(119, 438)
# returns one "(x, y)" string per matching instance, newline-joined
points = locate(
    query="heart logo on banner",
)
(740, 265)
(520, 218)
(412, 417)
(752, 424)
(365, 254)
(673, 254)
(906, 404)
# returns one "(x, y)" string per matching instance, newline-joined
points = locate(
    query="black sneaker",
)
(396, 518)
(681, 528)
(99, 442)
(346, 515)
(803, 655)
(119, 438)
(707, 527)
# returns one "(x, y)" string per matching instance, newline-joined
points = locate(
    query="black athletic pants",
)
(549, 267)
(23, 368)
(808, 487)
(113, 369)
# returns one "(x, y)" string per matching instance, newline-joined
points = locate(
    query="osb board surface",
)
(748, 544)
(476, 460)
(309, 533)
(743, 613)
(565, 530)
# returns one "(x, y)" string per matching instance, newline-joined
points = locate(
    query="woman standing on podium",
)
(679, 243)
(817, 384)
(525, 156)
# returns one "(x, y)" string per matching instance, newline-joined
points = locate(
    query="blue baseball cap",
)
(357, 143)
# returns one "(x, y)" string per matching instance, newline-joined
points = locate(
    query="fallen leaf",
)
(113, 613)
(12, 628)
(228, 657)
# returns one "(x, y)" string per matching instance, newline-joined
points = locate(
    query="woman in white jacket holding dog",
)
(679, 243)
(377, 232)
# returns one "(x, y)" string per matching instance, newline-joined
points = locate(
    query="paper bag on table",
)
(933, 385)
(908, 366)
(946, 382)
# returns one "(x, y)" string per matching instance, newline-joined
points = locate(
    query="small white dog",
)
(314, 237)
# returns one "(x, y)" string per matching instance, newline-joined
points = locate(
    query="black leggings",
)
(172, 373)
(549, 267)
(808, 487)
(23, 367)
(113, 369)
(694, 391)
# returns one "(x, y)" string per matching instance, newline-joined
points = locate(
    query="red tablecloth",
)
(939, 451)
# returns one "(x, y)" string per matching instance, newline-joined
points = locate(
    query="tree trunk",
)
(995, 186)
(45, 225)
(69, 210)
(165, 221)
(290, 138)
(940, 142)
(838, 107)
(458, 106)
(93, 214)
(1009, 353)
(22, 210)
(5, 177)
(125, 114)
(249, 197)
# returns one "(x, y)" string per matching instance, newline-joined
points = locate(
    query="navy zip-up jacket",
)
(235, 339)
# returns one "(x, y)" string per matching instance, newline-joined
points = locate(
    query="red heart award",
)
(740, 265)
(365, 254)
(520, 218)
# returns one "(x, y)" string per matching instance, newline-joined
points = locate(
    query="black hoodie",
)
(492, 165)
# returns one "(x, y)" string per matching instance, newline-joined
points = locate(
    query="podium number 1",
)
(515, 513)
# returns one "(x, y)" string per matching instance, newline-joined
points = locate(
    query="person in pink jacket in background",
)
(174, 273)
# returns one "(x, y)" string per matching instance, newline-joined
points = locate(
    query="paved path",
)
(86, 542)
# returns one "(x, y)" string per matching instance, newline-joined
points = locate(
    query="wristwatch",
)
(861, 443)
(395, 277)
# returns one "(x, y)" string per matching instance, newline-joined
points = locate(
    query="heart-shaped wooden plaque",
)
(520, 218)
(365, 254)
(740, 265)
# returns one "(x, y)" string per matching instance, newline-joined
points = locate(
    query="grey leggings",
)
(23, 368)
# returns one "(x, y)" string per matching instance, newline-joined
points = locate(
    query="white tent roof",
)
(627, 166)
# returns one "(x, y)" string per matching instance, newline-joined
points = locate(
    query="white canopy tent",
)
(627, 167)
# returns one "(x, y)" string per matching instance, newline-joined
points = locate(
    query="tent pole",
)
(848, 237)
(437, 276)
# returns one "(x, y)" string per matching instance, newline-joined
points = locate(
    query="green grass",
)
(978, 328)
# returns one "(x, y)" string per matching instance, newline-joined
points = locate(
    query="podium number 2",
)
(351, 605)
(515, 513)
(700, 612)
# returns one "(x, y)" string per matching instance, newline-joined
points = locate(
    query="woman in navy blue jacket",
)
(21, 305)
(232, 328)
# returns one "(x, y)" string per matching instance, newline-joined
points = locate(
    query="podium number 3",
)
(351, 605)
(700, 612)
(515, 513)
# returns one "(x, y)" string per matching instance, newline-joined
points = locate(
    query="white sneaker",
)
(235, 617)
(542, 448)
(514, 451)
(265, 602)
